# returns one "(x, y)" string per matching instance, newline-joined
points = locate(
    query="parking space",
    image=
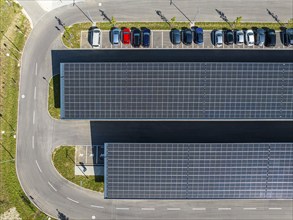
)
(88, 155)
(160, 39)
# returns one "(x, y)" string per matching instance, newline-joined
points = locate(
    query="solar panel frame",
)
(198, 171)
(177, 91)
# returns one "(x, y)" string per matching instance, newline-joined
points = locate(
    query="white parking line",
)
(173, 209)
(99, 207)
(122, 208)
(34, 116)
(52, 186)
(39, 167)
(162, 39)
(72, 200)
(35, 93)
(148, 209)
(36, 71)
(198, 209)
(33, 142)
(275, 208)
(249, 208)
(224, 209)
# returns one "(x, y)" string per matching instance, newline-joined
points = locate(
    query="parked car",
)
(229, 37)
(146, 37)
(175, 36)
(95, 35)
(115, 36)
(136, 37)
(218, 38)
(187, 36)
(270, 38)
(125, 36)
(249, 38)
(239, 37)
(198, 36)
(260, 37)
(288, 37)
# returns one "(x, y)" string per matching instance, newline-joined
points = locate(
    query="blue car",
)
(146, 37)
(175, 36)
(198, 36)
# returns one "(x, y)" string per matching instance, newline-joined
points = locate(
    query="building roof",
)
(176, 91)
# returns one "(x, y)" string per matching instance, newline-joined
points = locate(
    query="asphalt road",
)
(38, 135)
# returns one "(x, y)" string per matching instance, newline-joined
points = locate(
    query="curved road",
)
(38, 135)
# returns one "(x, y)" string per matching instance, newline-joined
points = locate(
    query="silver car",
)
(239, 37)
(260, 37)
(115, 36)
(95, 35)
(218, 38)
(249, 38)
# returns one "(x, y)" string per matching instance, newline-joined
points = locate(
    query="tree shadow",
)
(11, 156)
(56, 90)
(104, 15)
(224, 17)
(61, 215)
(163, 18)
(275, 17)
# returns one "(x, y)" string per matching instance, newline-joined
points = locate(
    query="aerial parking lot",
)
(161, 39)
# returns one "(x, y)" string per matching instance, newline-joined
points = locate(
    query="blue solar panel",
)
(198, 171)
(176, 90)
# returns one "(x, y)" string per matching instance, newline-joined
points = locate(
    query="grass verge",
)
(14, 31)
(63, 159)
(71, 36)
(54, 97)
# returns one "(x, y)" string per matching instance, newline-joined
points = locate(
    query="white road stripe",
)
(148, 209)
(122, 208)
(173, 209)
(99, 207)
(275, 208)
(35, 93)
(34, 116)
(72, 200)
(33, 142)
(198, 209)
(222, 209)
(39, 167)
(52, 186)
(249, 208)
(36, 72)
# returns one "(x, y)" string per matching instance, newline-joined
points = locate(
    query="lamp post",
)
(172, 3)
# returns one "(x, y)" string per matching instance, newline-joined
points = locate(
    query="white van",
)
(95, 37)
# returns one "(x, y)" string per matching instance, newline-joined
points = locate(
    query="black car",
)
(146, 36)
(175, 36)
(187, 36)
(288, 37)
(198, 36)
(229, 37)
(270, 38)
(136, 37)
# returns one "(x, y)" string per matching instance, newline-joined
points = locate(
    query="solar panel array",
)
(179, 90)
(198, 171)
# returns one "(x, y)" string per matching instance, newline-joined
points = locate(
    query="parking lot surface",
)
(160, 39)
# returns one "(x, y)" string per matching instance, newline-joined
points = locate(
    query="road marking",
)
(52, 186)
(198, 209)
(72, 200)
(275, 208)
(36, 72)
(34, 116)
(249, 208)
(173, 209)
(162, 39)
(35, 93)
(33, 142)
(23, 96)
(148, 209)
(39, 167)
(224, 209)
(122, 208)
(99, 207)
(93, 217)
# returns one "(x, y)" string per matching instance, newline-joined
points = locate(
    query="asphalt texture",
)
(38, 134)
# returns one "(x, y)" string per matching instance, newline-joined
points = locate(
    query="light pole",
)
(172, 3)
(8, 55)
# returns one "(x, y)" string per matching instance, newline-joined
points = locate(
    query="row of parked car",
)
(142, 37)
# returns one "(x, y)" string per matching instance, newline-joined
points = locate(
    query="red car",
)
(126, 35)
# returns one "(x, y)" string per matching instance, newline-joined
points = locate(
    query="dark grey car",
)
(260, 37)
(175, 36)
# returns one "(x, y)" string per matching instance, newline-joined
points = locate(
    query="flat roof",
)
(198, 171)
(177, 91)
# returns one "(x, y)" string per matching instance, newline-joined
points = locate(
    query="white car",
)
(95, 35)
(249, 38)
(218, 38)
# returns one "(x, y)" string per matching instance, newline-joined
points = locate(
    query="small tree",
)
(173, 20)
(237, 22)
(113, 21)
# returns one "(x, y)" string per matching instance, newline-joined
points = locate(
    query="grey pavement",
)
(38, 134)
